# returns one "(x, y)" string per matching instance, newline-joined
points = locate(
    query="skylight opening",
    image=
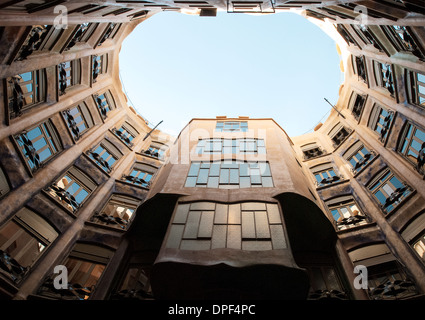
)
(175, 67)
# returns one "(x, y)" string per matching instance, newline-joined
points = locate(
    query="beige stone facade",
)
(232, 207)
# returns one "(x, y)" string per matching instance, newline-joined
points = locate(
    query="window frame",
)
(348, 219)
(67, 199)
(384, 77)
(406, 137)
(71, 119)
(68, 75)
(125, 202)
(385, 126)
(235, 126)
(413, 85)
(15, 93)
(382, 183)
(323, 171)
(26, 147)
(227, 174)
(38, 228)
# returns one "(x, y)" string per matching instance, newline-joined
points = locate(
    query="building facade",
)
(232, 207)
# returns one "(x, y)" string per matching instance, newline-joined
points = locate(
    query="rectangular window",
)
(78, 120)
(356, 105)
(81, 33)
(325, 175)
(384, 76)
(389, 191)
(104, 103)
(415, 85)
(231, 126)
(68, 75)
(380, 121)
(25, 90)
(404, 40)
(118, 212)
(412, 146)
(126, 133)
(244, 226)
(141, 175)
(229, 174)
(359, 66)
(311, 151)
(72, 189)
(346, 213)
(231, 146)
(358, 156)
(99, 64)
(419, 246)
(22, 241)
(103, 157)
(156, 150)
(38, 144)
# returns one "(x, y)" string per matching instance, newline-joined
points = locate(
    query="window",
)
(388, 190)
(346, 212)
(141, 175)
(358, 156)
(359, 67)
(311, 151)
(231, 126)
(386, 278)
(156, 150)
(104, 103)
(109, 32)
(365, 33)
(78, 120)
(72, 189)
(38, 144)
(22, 241)
(105, 155)
(356, 105)
(404, 40)
(81, 34)
(324, 282)
(99, 65)
(126, 133)
(338, 134)
(412, 145)
(388, 281)
(345, 35)
(380, 121)
(40, 37)
(419, 246)
(85, 264)
(68, 75)
(229, 174)
(136, 284)
(118, 212)
(415, 87)
(325, 174)
(384, 76)
(242, 226)
(231, 146)
(25, 90)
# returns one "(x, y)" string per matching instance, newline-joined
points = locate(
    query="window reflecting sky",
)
(176, 67)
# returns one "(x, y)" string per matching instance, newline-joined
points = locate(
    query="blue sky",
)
(175, 67)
